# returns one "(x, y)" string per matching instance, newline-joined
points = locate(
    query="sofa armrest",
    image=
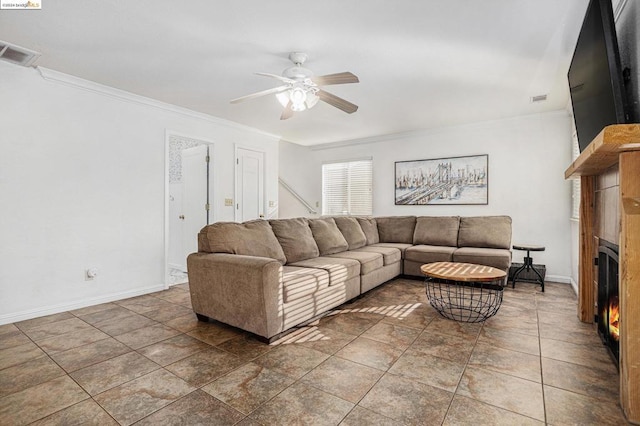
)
(242, 291)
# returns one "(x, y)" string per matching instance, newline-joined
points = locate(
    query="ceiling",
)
(422, 64)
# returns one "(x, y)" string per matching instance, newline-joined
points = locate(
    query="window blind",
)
(347, 188)
(575, 183)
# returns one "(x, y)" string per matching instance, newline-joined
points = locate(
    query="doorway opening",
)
(189, 191)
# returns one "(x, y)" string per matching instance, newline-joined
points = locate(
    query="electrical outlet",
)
(272, 203)
(228, 202)
(317, 203)
(90, 274)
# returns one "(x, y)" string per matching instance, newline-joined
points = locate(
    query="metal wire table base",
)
(465, 301)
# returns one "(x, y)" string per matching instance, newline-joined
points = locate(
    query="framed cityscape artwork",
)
(453, 180)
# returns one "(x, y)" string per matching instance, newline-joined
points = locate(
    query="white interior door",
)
(194, 197)
(249, 185)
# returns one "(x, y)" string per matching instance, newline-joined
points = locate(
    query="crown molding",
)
(101, 89)
(424, 132)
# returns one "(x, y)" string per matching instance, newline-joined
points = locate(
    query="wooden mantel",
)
(616, 144)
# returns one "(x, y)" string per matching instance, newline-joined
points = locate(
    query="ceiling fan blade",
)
(258, 94)
(287, 112)
(277, 77)
(337, 102)
(339, 78)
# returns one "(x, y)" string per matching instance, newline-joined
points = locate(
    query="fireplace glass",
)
(608, 298)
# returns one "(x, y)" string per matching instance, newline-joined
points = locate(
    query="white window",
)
(347, 188)
(575, 188)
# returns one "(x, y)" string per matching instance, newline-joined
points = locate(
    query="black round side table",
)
(528, 264)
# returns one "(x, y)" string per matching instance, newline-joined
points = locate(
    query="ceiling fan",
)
(301, 89)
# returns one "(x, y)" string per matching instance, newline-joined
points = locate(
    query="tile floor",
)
(386, 359)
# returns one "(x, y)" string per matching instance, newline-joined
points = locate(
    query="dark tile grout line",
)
(544, 400)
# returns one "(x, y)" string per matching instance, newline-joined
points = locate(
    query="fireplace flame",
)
(614, 318)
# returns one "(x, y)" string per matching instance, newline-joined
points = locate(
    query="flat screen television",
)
(595, 75)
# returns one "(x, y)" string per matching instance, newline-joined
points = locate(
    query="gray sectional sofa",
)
(266, 277)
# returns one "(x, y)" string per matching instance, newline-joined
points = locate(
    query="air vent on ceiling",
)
(17, 55)
(538, 98)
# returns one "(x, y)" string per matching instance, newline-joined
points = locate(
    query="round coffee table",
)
(464, 291)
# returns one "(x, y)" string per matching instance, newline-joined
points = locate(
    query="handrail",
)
(297, 196)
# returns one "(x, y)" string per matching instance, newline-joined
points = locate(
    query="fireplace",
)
(608, 300)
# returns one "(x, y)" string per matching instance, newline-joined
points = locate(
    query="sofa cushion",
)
(400, 246)
(429, 254)
(327, 235)
(498, 258)
(296, 238)
(254, 238)
(396, 229)
(389, 254)
(339, 269)
(370, 229)
(300, 282)
(368, 261)
(485, 231)
(437, 230)
(352, 231)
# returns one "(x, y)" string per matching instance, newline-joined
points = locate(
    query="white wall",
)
(82, 184)
(527, 159)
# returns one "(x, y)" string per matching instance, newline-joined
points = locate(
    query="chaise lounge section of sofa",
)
(266, 277)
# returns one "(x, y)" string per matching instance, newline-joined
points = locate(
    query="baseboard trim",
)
(64, 307)
(557, 279)
(575, 286)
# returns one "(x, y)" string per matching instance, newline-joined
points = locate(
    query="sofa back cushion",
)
(352, 231)
(370, 228)
(296, 238)
(437, 230)
(327, 235)
(396, 229)
(254, 238)
(485, 231)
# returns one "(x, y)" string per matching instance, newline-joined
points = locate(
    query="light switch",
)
(228, 202)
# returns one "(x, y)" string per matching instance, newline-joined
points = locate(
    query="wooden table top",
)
(528, 247)
(462, 271)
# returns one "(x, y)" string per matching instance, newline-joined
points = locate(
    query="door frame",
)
(212, 180)
(235, 175)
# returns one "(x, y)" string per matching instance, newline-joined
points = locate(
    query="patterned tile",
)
(565, 407)
(83, 356)
(407, 401)
(138, 398)
(501, 390)
(83, 413)
(428, 369)
(27, 374)
(302, 404)
(345, 379)
(467, 411)
(291, 360)
(371, 353)
(196, 408)
(39, 401)
(19, 354)
(120, 369)
(204, 366)
(173, 349)
(248, 387)
(145, 336)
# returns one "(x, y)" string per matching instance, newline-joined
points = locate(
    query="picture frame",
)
(443, 181)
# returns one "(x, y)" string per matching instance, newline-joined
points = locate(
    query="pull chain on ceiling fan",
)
(302, 90)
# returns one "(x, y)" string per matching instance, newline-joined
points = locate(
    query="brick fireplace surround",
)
(610, 209)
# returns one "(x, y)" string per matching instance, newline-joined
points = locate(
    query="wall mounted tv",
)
(595, 75)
